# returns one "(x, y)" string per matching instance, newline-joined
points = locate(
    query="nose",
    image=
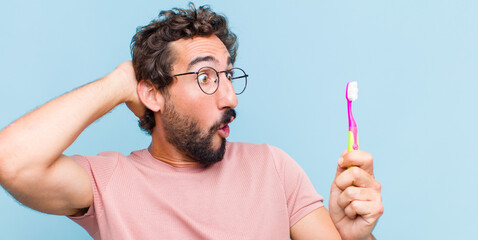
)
(226, 96)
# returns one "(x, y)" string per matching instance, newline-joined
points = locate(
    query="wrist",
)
(369, 237)
(120, 85)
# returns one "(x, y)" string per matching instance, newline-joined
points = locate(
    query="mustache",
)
(226, 118)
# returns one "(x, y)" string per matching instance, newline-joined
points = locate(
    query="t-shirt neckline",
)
(165, 166)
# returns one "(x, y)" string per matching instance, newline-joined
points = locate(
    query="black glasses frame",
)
(218, 79)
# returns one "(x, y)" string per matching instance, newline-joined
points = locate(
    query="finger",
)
(357, 177)
(339, 162)
(351, 194)
(344, 152)
(370, 211)
(339, 170)
(359, 159)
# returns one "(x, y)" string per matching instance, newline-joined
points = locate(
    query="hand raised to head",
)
(125, 75)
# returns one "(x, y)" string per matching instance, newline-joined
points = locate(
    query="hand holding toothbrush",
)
(355, 202)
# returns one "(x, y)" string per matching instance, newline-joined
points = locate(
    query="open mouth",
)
(224, 128)
(224, 131)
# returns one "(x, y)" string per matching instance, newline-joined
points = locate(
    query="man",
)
(189, 183)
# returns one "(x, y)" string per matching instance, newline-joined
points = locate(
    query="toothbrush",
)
(351, 94)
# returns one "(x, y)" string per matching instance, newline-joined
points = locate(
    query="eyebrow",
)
(206, 59)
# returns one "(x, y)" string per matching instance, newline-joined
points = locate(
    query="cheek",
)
(198, 106)
(204, 111)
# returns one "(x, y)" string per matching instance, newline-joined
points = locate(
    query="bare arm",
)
(316, 225)
(32, 167)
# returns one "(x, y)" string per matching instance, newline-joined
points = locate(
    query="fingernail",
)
(341, 160)
(344, 152)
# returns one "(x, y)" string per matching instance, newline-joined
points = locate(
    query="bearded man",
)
(189, 183)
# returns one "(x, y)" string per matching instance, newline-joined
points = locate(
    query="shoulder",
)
(267, 155)
(103, 163)
(257, 153)
(100, 167)
(248, 148)
(101, 159)
(253, 148)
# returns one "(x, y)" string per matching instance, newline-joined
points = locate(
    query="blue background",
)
(416, 63)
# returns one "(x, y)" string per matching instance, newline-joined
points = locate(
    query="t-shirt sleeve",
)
(100, 168)
(301, 196)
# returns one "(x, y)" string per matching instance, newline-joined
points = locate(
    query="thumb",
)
(339, 163)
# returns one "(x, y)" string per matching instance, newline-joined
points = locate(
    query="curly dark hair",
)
(152, 54)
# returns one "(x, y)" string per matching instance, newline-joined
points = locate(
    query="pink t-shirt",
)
(255, 192)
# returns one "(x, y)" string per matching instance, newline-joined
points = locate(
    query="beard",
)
(187, 136)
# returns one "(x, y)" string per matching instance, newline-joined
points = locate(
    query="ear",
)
(150, 96)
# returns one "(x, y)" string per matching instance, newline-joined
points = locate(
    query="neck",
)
(164, 151)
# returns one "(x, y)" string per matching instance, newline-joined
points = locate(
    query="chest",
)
(218, 205)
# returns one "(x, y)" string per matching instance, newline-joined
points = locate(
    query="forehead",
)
(189, 50)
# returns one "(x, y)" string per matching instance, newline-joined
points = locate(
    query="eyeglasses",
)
(208, 79)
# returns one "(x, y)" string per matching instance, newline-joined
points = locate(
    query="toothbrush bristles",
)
(352, 91)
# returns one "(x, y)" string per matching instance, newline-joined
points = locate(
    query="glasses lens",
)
(239, 80)
(207, 80)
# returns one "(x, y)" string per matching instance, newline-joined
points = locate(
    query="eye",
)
(203, 78)
(229, 75)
